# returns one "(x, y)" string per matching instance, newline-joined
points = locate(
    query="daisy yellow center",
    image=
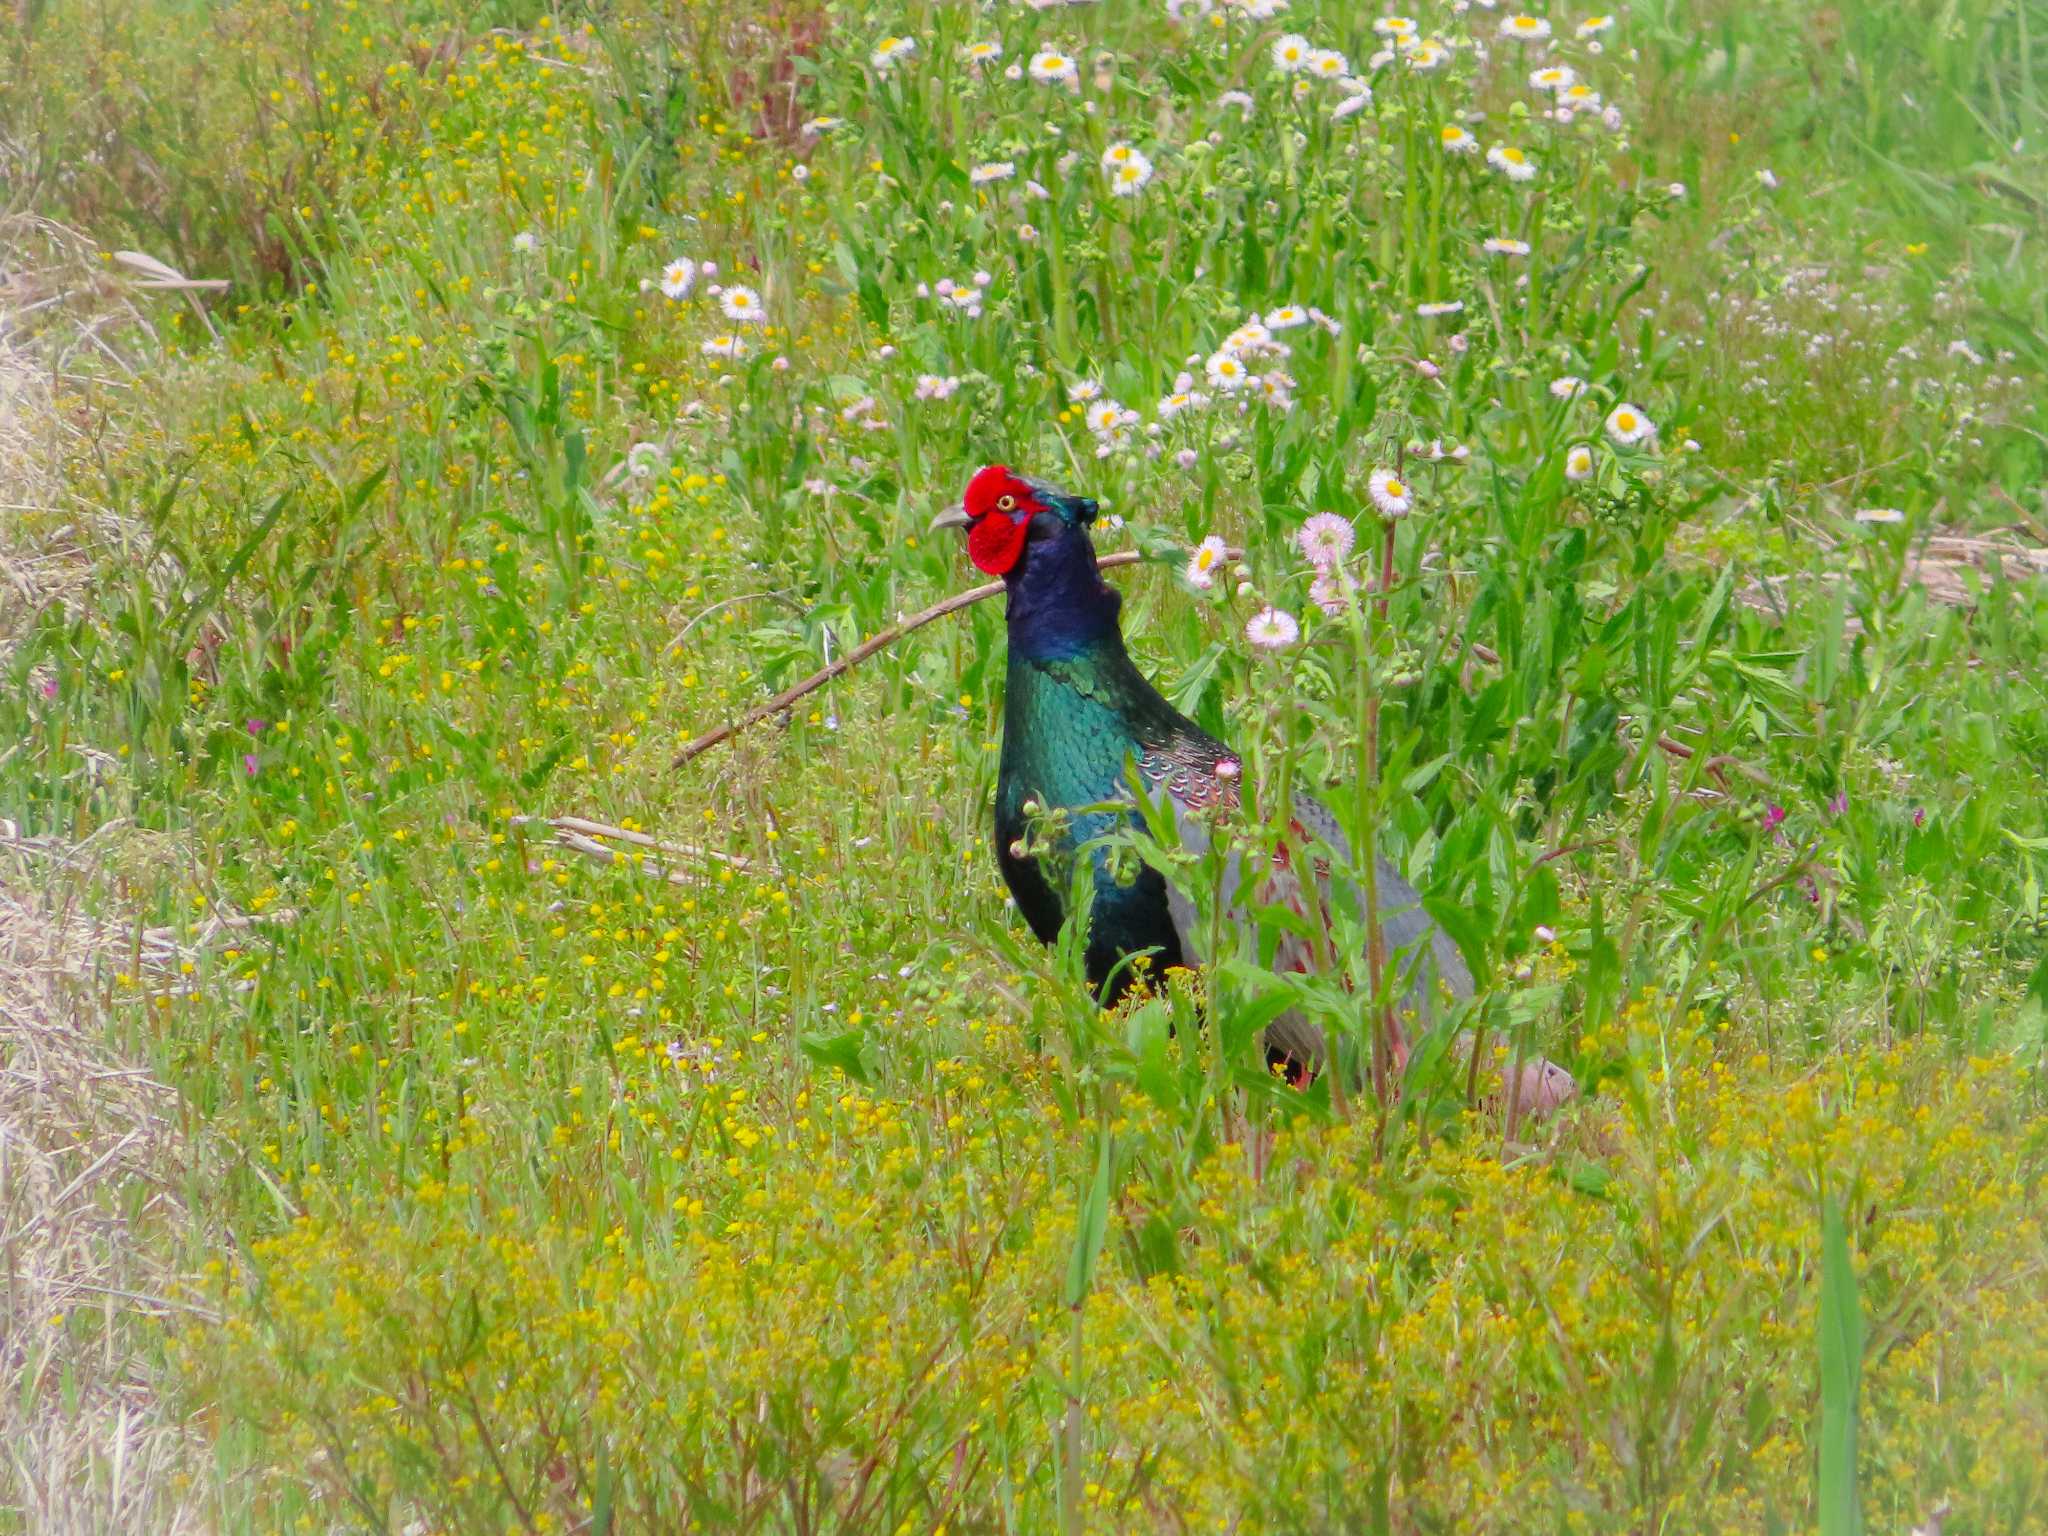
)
(1453, 135)
(1626, 421)
(1129, 173)
(1204, 558)
(1396, 489)
(1513, 156)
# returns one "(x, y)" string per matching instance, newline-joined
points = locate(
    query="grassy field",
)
(567, 382)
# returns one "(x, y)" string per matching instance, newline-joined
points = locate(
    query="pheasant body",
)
(1078, 718)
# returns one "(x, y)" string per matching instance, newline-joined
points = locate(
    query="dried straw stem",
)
(591, 839)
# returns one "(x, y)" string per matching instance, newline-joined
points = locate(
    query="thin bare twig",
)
(860, 653)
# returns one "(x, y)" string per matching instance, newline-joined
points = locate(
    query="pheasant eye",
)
(1006, 503)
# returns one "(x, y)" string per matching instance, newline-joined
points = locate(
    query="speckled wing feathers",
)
(1198, 774)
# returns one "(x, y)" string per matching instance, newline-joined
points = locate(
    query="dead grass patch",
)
(91, 1158)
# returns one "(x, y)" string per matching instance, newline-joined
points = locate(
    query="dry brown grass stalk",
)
(593, 839)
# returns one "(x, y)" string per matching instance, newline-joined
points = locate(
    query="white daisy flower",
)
(1129, 177)
(932, 386)
(1593, 26)
(982, 53)
(1051, 67)
(678, 278)
(742, 303)
(1568, 386)
(1578, 462)
(1272, 629)
(1628, 426)
(1286, 318)
(1326, 539)
(1501, 245)
(1511, 162)
(1107, 416)
(1291, 53)
(1456, 141)
(1083, 390)
(1327, 593)
(1276, 389)
(1242, 100)
(1251, 337)
(1424, 57)
(1525, 29)
(1553, 78)
(1880, 515)
(1395, 26)
(1328, 64)
(1392, 496)
(1580, 98)
(995, 170)
(1226, 371)
(724, 346)
(1180, 400)
(1440, 307)
(1206, 560)
(890, 49)
(818, 126)
(526, 242)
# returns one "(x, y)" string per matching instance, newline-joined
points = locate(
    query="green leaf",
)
(1841, 1369)
(1420, 778)
(2037, 986)
(845, 1050)
(1462, 928)
(195, 613)
(1094, 1222)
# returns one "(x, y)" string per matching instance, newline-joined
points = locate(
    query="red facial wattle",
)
(999, 507)
(995, 541)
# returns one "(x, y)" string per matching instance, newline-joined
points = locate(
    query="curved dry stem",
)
(860, 653)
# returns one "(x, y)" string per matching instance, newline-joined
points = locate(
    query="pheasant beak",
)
(952, 517)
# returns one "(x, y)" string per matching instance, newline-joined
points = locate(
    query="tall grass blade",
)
(1841, 1372)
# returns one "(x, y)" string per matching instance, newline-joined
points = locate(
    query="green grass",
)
(799, 1190)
